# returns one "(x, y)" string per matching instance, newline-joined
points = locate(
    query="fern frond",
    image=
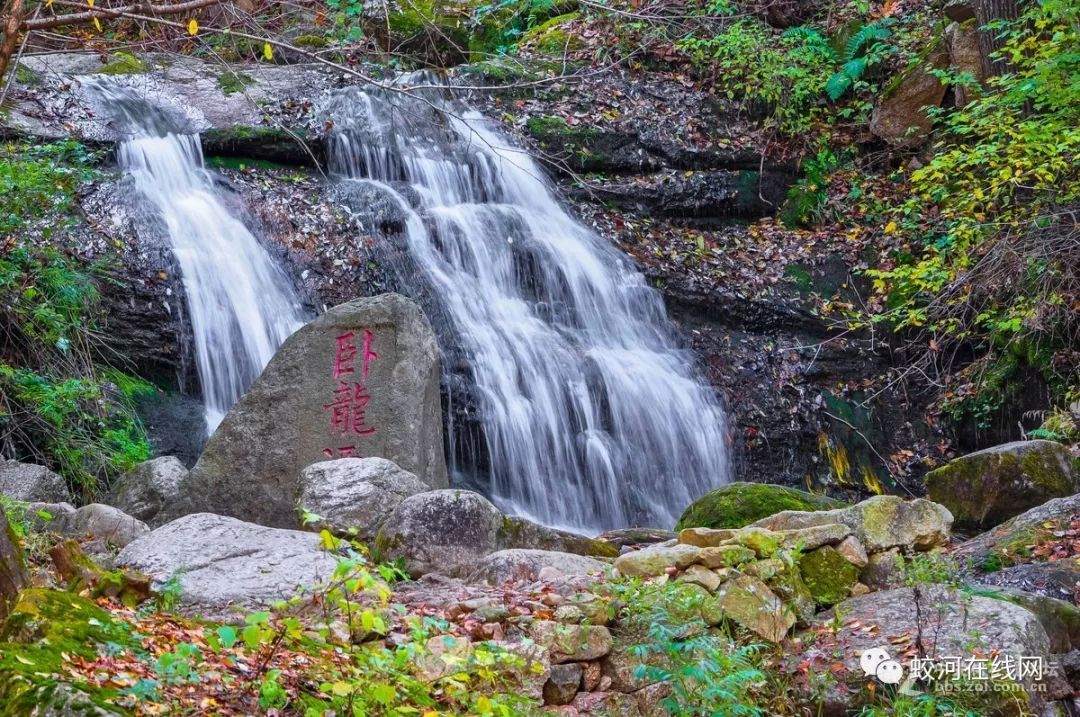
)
(837, 85)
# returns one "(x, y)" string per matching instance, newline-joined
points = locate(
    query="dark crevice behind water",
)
(592, 415)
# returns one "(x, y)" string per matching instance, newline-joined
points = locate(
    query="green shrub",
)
(60, 403)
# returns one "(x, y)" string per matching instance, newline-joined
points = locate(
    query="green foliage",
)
(866, 49)
(345, 17)
(918, 706)
(807, 198)
(709, 672)
(39, 180)
(786, 73)
(353, 671)
(987, 233)
(59, 403)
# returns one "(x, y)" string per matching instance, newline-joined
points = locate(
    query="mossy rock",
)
(739, 504)
(43, 629)
(551, 38)
(828, 575)
(986, 488)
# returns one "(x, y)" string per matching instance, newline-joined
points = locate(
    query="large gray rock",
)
(361, 380)
(148, 488)
(223, 563)
(450, 531)
(521, 564)
(986, 550)
(950, 623)
(988, 487)
(355, 495)
(32, 483)
(880, 523)
(102, 523)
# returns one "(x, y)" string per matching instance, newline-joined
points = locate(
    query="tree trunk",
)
(13, 575)
(987, 11)
(11, 25)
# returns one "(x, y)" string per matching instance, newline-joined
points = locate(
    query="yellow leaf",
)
(97, 24)
(890, 227)
(193, 27)
(268, 52)
(90, 3)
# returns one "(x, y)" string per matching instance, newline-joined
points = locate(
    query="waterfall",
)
(240, 303)
(593, 417)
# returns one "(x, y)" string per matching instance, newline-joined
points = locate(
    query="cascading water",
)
(592, 416)
(241, 304)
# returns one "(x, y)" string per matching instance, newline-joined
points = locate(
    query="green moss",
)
(243, 163)
(25, 76)
(45, 628)
(124, 63)
(310, 41)
(232, 82)
(739, 504)
(799, 274)
(550, 38)
(828, 575)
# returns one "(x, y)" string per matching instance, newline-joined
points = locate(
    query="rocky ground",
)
(225, 616)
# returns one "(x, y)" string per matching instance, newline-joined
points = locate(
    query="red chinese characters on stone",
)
(347, 410)
(350, 399)
(346, 355)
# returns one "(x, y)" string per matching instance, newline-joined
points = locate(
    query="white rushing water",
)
(593, 416)
(240, 303)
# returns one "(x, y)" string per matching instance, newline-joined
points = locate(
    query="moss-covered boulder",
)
(828, 575)
(45, 628)
(879, 523)
(749, 602)
(739, 504)
(986, 488)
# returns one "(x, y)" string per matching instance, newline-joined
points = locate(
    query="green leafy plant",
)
(866, 49)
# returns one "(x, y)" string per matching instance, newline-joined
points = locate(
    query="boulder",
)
(991, 550)
(605, 704)
(519, 564)
(1058, 579)
(562, 685)
(571, 643)
(222, 563)
(749, 602)
(986, 488)
(949, 624)
(636, 537)
(883, 571)
(147, 489)
(102, 523)
(653, 561)
(880, 523)
(739, 504)
(853, 551)
(702, 576)
(361, 380)
(1060, 619)
(31, 483)
(450, 531)
(962, 39)
(355, 495)
(901, 118)
(828, 575)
